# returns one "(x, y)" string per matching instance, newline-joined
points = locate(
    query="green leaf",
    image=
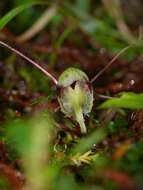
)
(127, 100)
(14, 12)
(87, 143)
(83, 5)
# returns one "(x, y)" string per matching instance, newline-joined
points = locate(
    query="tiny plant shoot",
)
(75, 92)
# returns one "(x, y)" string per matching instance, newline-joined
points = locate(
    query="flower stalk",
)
(30, 61)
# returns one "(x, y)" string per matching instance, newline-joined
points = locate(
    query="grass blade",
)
(14, 12)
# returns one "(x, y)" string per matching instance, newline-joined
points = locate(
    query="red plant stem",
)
(109, 64)
(30, 61)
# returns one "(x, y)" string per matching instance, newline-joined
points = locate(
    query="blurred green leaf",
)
(18, 134)
(131, 162)
(14, 12)
(20, 131)
(87, 142)
(59, 43)
(90, 24)
(4, 184)
(84, 5)
(66, 182)
(127, 100)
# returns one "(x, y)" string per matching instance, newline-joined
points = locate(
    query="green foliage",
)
(13, 13)
(128, 100)
(59, 43)
(131, 162)
(19, 132)
(18, 135)
(100, 30)
(87, 143)
(83, 5)
(35, 80)
(4, 184)
(31, 140)
(117, 125)
(67, 182)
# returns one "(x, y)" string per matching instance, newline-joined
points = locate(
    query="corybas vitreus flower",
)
(75, 95)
